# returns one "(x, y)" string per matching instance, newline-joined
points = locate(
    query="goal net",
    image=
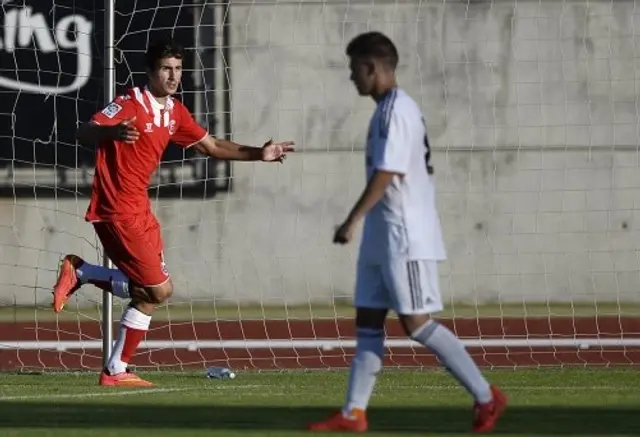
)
(532, 113)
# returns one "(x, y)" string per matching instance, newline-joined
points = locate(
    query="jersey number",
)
(427, 153)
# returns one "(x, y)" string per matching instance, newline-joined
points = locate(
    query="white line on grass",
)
(93, 395)
(100, 394)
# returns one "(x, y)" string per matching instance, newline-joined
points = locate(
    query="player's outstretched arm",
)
(92, 133)
(371, 195)
(228, 150)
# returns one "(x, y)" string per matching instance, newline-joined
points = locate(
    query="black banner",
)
(51, 78)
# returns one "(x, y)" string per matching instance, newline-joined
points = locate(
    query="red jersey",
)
(123, 171)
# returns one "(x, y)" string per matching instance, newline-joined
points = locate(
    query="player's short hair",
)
(374, 45)
(164, 48)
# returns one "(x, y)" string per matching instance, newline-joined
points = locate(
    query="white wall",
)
(533, 114)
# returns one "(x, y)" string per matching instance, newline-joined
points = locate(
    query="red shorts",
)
(135, 247)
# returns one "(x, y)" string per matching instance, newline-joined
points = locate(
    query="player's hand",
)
(276, 152)
(344, 232)
(126, 131)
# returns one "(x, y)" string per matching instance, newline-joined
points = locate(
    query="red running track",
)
(315, 357)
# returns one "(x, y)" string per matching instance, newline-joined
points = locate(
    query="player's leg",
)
(134, 324)
(367, 362)
(372, 303)
(135, 247)
(414, 285)
(75, 272)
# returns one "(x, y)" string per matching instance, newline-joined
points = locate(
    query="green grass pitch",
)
(561, 402)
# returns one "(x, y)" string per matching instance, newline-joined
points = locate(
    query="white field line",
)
(101, 393)
(93, 394)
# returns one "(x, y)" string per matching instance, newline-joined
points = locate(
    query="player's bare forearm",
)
(371, 195)
(246, 153)
(91, 133)
(228, 150)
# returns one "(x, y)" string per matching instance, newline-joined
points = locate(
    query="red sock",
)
(133, 326)
(132, 339)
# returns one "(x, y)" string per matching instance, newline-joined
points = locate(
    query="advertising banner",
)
(51, 79)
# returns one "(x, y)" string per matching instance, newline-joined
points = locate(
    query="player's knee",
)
(412, 322)
(161, 293)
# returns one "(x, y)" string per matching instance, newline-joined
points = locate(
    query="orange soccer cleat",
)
(67, 282)
(356, 421)
(123, 379)
(486, 415)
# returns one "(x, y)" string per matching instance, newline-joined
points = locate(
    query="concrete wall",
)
(532, 110)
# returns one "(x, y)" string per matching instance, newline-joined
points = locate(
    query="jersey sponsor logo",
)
(111, 110)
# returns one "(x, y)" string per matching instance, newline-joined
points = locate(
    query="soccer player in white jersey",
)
(401, 244)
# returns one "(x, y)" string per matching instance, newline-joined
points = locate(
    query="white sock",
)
(364, 368)
(119, 282)
(133, 325)
(455, 358)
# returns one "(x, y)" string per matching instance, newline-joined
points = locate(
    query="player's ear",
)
(370, 65)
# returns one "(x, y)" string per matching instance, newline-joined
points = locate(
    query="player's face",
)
(362, 75)
(166, 78)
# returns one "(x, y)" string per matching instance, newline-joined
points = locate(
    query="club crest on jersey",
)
(111, 110)
(148, 127)
(172, 127)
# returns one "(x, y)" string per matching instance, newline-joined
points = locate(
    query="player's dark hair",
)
(164, 48)
(374, 45)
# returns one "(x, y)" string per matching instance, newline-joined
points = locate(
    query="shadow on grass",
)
(432, 420)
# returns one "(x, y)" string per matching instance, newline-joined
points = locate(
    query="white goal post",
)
(533, 114)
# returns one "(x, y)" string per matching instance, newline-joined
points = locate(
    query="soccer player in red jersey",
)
(132, 133)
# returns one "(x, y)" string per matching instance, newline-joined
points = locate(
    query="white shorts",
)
(407, 287)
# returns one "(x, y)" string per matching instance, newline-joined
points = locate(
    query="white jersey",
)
(404, 223)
